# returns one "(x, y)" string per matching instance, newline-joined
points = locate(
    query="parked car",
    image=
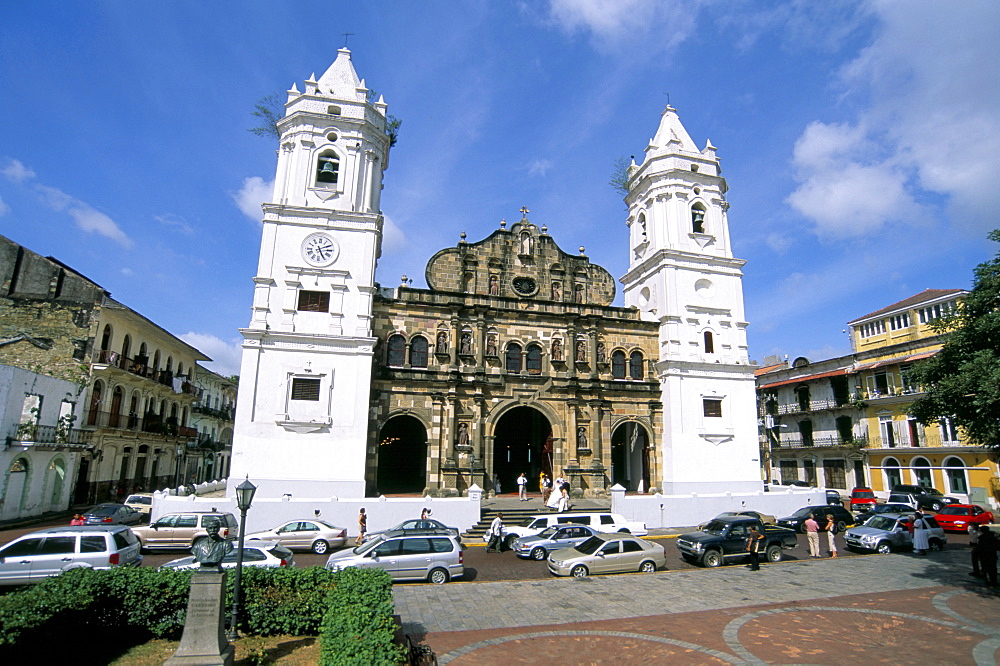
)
(904, 499)
(797, 520)
(764, 518)
(602, 522)
(724, 540)
(112, 514)
(539, 546)
(890, 532)
(958, 517)
(927, 498)
(49, 552)
(833, 497)
(434, 556)
(141, 502)
(418, 525)
(179, 531)
(863, 499)
(315, 535)
(268, 554)
(608, 553)
(883, 508)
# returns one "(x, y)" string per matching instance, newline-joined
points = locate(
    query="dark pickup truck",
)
(724, 540)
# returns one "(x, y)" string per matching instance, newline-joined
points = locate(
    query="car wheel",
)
(936, 544)
(883, 547)
(802, 528)
(712, 558)
(438, 576)
(647, 567)
(624, 530)
(936, 506)
(579, 571)
(509, 541)
(538, 554)
(841, 526)
(320, 546)
(774, 554)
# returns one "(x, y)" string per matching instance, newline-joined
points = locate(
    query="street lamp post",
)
(244, 498)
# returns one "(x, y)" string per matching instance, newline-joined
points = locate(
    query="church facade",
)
(513, 359)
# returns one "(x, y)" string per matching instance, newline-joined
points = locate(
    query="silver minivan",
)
(432, 556)
(49, 552)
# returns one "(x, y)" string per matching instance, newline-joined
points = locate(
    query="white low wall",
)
(659, 511)
(383, 513)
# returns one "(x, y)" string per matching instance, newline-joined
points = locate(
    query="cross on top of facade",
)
(524, 212)
(346, 35)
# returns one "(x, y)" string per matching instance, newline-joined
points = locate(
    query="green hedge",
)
(358, 627)
(131, 605)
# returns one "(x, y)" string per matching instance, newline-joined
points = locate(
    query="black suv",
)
(927, 498)
(841, 516)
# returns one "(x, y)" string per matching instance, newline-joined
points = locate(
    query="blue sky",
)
(860, 140)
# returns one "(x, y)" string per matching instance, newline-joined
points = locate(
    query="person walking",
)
(812, 534)
(974, 544)
(546, 486)
(522, 488)
(988, 544)
(563, 504)
(78, 520)
(753, 547)
(496, 534)
(831, 531)
(362, 527)
(921, 543)
(553, 502)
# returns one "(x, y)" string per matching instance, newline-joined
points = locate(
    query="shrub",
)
(358, 627)
(284, 601)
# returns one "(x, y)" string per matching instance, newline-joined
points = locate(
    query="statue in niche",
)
(466, 347)
(581, 437)
(557, 350)
(491, 345)
(578, 294)
(494, 285)
(525, 243)
(602, 354)
(581, 352)
(463, 434)
(556, 291)
(442, 343)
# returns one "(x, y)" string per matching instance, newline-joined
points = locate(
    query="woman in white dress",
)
(563, 498)
(920, 542)
(553, 502)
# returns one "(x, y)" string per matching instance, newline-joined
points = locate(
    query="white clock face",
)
(319, 249)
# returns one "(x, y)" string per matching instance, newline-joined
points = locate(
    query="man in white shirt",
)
(496, 534)
(522, 487)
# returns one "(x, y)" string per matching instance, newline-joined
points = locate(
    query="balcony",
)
(223, 413)
(139, 367)
(151, 423)
(206, 443)
(885, 392)
(50, 437)
(794, 441)
(799, 408)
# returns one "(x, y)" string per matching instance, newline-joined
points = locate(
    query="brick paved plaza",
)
(899, 608)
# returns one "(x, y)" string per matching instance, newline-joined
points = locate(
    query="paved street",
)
(900, 608)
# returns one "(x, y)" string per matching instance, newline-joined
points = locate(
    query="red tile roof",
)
(769, 368)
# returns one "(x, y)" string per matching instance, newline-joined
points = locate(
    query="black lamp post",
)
(244, 498)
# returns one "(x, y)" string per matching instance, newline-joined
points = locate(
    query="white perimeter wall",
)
(659, 511)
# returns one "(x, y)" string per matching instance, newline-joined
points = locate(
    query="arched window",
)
(642, 228)
(396, 350)
(922, 472)
(126, 346)
(106, 338)
(534, 361)
(893, 477)
(96, 395)
(513, 358)
(709, 343)
(180, 369)
(618, 364)
(806, 432)
(635, 370)
(327, 169)
(418, 352)
(698, 218)
(117, 396)
(955, 470)
(156, 360)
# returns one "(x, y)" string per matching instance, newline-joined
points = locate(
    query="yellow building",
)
(900, 450)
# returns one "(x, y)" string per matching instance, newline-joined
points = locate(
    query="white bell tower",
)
(305, 378)
(682, 274)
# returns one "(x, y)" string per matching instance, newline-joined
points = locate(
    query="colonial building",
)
(513, 359)
(212, 416)
(132, 377)
(849, 416)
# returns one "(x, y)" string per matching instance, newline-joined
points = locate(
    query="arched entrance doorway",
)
(402, 456)
(518, 443)
(630, 456)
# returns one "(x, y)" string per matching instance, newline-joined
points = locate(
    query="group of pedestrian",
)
(812, 534)
(558, 499)
(984, 544)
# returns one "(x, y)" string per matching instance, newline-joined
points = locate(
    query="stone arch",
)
(631, 446)
(17, 485)
(401, 465)
(921, 468)
(517, 439)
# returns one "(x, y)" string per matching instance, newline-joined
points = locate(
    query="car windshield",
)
(864, 493)
(549, 531)
(804, 512)
(881, 523)
(102, 511)
(953, 510)
(590, 546)
(526, 522)
(715, 527)
(932, 491)
(139, 499)
(367, 546)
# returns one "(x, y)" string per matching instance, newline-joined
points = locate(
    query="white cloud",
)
(171, 220)
(539, 167)
(16, 172)
(931, 81)
(86, 217)
(617, 25)
(252, 195)
(779, 242)
(4, 208)
(393, 238)
(225, 355)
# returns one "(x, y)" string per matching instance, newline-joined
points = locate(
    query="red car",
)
(863, 499)
(958, 517)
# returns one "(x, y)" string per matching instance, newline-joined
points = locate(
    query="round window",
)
(525, 286)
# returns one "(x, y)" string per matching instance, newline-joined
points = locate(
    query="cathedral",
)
(513, 359)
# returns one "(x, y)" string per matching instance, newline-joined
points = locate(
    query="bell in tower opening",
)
(327, 172)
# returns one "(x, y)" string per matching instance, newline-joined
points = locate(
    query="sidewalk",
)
(895, 608)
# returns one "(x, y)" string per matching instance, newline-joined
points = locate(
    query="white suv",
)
(600, 521)
(51, 551)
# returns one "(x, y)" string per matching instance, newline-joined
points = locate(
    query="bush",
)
(358, 627)
(284, 601)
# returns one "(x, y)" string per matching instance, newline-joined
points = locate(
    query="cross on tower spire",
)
(346, 35)
(524, 212)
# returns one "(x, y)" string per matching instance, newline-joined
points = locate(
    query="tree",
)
(620, 175)
(270, 109)
(962, 381)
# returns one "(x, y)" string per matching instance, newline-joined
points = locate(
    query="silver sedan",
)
(538, 546)
(312, 534)
(608, 553)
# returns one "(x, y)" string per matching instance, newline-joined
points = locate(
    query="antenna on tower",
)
(346, 35)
